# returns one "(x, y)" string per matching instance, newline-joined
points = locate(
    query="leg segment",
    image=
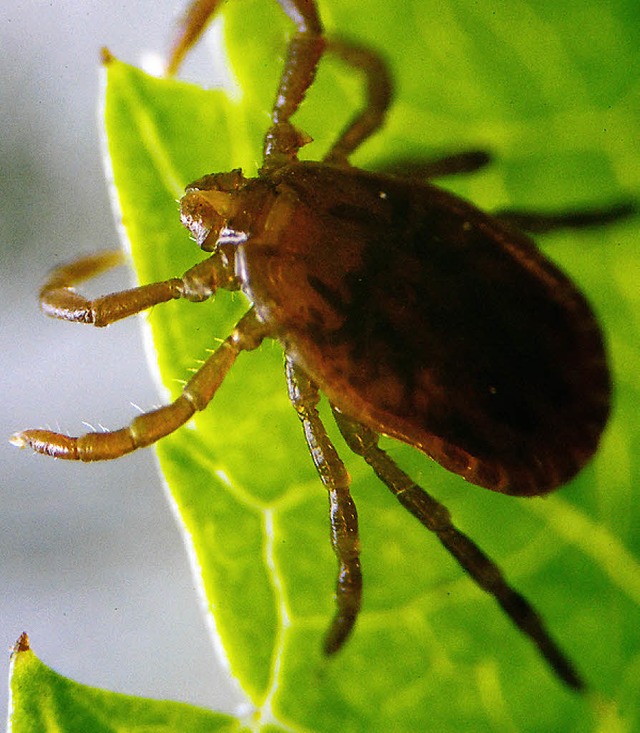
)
(379, 92)
(282, 140)
(539, 223)
(59, 299)
(435, 517)
(468, 161)
(303, 13)
(304, 53)
(344, 517)
(151, 426)
(190, 28)
(306, 47)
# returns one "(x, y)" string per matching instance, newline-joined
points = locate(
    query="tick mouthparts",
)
(204, 213)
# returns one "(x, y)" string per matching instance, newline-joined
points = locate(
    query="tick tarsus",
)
(229, 214)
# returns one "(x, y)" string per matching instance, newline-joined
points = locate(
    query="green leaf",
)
(42, 700)
(553, 92)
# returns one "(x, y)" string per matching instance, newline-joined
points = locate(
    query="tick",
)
(417, 315)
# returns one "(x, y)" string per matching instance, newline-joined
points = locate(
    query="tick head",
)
(208, 204)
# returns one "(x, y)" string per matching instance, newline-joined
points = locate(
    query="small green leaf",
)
(42, 700)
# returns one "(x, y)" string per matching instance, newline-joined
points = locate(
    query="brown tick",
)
(417, 315)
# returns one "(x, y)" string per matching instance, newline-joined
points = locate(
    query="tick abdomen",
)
(433, 322)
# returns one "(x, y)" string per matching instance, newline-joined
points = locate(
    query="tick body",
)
(432, 322)
(417, 315)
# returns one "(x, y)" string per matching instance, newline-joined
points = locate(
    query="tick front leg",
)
(378, 92)
(282, 140)
(344, 516)
(190, 28)
(436, 518)
(151, 426)
(303, 13)
(59, 299)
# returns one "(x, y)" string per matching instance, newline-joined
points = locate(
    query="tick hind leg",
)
(436, 518)
(344, 517)
(539, 223)
(151, 426)
(468, 161)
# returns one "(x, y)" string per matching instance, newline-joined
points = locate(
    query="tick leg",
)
(306, 47)
(151, 426)
(344, 517)
(283, 140)
(468, 161)
(190, 28)
(59, 299)
(305, 16)
(379, 92)
(436, 518)
(538, 223)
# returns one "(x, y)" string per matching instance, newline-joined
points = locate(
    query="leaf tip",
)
(22, 645)
(106, 57)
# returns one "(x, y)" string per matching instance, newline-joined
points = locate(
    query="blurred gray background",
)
(92, 565)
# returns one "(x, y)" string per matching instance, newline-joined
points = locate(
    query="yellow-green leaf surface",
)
(42, 700)
(552, 89)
